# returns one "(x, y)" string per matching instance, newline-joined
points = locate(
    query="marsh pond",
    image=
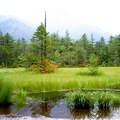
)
(54, 105)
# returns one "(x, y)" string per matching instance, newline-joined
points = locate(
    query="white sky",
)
(104, 14)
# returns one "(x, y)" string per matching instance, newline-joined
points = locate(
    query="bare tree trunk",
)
(45, 50)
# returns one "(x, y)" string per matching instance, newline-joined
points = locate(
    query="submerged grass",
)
(64, 78)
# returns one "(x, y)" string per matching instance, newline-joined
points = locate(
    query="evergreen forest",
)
(62, 51)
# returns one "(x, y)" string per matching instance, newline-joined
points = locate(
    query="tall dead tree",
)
(45, 42)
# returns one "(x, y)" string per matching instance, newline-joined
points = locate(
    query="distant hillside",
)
(16, 28)
(78, 30)
(19, 28)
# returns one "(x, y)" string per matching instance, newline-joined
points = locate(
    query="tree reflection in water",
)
(43, 109)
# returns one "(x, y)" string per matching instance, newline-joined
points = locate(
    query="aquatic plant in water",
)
(79, 99)
(20, 97)
(104, 99)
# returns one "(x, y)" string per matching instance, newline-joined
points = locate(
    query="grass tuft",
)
(116, 100)
(5, 91)
(20, 97)
(79, 99)
(104, 99)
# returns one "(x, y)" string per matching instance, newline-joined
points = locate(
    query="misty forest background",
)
(60, 50)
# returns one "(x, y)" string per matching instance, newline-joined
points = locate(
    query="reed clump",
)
(79, 99)
(5, 91)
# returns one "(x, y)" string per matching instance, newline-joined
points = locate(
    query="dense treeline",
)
(60, 50)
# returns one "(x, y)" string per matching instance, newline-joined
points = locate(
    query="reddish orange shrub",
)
(44, 67)
(82, 65)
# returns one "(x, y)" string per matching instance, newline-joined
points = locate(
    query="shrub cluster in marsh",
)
(93, 66)
(44, 67)
(82, 65)
(5, 91)
(89, 73)
(79, 99)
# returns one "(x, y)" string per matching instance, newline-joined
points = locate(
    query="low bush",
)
(82, 65)
(93, 66)
(93, 73)
(1, 66)
(44, 67)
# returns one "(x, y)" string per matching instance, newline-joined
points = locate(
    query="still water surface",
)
(54, 105)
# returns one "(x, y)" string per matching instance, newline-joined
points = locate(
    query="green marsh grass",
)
(5, 91)
(64, 78)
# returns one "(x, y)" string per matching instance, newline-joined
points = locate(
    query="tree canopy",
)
(60, 50)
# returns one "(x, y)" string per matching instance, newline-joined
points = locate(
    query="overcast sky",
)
(104, 14)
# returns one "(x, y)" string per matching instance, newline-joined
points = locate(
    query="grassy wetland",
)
(64, 78)
(16, 83)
